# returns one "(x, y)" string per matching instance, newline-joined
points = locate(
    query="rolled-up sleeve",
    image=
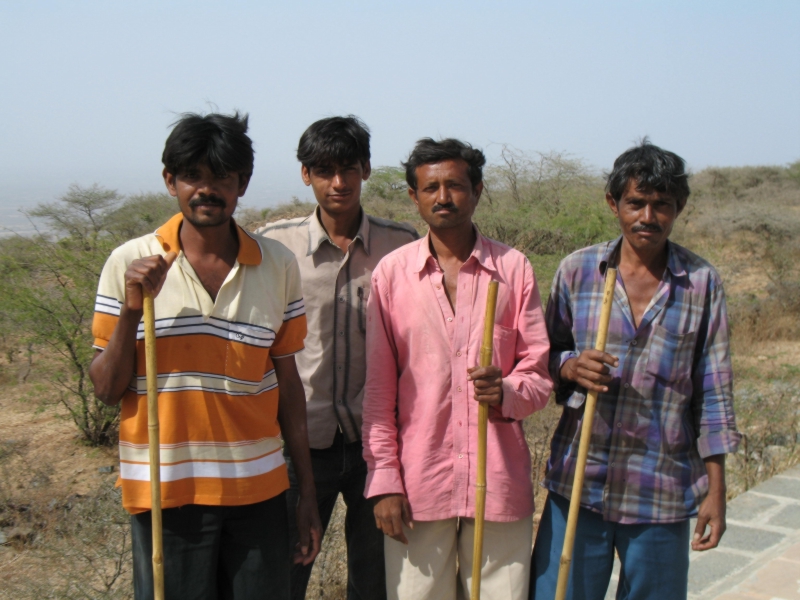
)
(379, 429)
(712, 379)
(527, 387)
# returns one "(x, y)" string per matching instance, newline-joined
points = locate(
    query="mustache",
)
(213, 200)
(450, 206)
(647, 228)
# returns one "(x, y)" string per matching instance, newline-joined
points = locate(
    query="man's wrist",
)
(308, 489)
(566, 372)
(130, 316)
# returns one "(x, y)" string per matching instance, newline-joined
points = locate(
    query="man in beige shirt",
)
(337, 248)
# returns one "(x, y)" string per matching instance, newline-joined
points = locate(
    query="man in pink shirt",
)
(424, 328)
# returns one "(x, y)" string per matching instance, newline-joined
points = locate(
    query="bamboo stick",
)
(583, 447)
(483, 420)
(154, 444)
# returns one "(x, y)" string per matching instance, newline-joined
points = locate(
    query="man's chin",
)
(441, 222)
(647, 240)
(200, 221)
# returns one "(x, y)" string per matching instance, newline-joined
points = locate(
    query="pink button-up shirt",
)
(420, 429)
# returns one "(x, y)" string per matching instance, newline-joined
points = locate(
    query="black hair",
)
(334, 141)
(428, 151)
(218, 141)
(652, 168)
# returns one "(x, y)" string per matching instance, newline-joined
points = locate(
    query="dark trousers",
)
(341, 469)
(654, 556)
(216, 552)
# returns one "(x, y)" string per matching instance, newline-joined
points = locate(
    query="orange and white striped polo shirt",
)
(218, 394)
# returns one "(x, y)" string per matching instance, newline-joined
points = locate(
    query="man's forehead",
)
(451, 166)
(635, 189)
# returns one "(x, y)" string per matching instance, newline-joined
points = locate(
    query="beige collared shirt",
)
(335, 289)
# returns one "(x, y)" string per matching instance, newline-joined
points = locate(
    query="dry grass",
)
(71, 536)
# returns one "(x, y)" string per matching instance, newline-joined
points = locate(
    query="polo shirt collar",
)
(169, 237)
(675, 262)
(481, 252)
(317, 233)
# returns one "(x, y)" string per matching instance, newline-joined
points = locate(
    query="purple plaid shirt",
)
(670, 404)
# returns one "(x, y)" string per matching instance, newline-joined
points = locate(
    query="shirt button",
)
(449, 318)
(613, 464)
(460, 456)
(627, 385)
(634, 342)
(459, 388)
(341, 333)
(619, 424)
(438, 287)
(459, 423)
(458, 353)
(338, 402)
(339, 368)
(341, 299)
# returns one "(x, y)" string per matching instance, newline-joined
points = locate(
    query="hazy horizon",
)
(91, 87)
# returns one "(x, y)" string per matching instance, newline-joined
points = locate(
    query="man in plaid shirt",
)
(664, 418)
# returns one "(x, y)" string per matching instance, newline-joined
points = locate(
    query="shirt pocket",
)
(363, 295)
(505, 348)
(671, 355)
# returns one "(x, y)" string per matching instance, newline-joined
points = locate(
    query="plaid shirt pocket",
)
(670, 357)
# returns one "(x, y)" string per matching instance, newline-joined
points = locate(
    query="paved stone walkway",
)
(759, 556)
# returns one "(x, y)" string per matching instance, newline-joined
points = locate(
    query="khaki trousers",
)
(437, 563)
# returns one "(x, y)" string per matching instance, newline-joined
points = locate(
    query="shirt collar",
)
(481, 252)
(317, 233)
(169, 237)
(675, 262)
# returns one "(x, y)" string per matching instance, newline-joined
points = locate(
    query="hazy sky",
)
(88, 89)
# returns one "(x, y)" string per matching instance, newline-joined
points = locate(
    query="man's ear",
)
(305, 174)
(367, 171)
(478, 190)
(244, 181)
(169, 181)
(412, 193)
(612, 204)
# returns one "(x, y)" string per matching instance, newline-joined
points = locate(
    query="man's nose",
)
(207, 186)
(648, 214)
(338, 180)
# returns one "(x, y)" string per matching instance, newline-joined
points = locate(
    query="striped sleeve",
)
(108, 303)
(289, 339)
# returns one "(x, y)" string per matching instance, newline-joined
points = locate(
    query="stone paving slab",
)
(759, 556)
(712, 567)
(747, 507)
(788, 487)
(788, 517)
(749, 539)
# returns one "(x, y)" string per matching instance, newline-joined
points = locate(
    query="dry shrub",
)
(329, 576)
(74, 548)
(253, 218)
(539, 428)
(769, 421)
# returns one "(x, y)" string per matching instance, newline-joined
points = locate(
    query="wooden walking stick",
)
(586, 434)
(483, 420)
(154, 440)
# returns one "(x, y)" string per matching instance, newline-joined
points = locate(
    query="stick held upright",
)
(583, 447)
(485, 360)
(154, 440)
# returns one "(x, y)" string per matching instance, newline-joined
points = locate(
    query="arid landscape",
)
(63, 534)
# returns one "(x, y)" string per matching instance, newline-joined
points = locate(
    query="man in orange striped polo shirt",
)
(229, 318)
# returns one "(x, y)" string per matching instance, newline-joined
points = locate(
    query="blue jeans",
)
(654, 557)
(216, 552)
(341, 469)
